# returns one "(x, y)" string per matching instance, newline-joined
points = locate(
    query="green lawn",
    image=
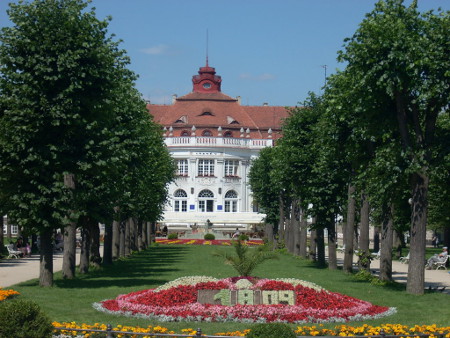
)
(71, 300)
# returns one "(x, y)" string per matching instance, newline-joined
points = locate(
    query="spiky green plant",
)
(245, 259)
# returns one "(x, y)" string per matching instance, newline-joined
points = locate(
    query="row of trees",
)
(374, 147)
(77, 145)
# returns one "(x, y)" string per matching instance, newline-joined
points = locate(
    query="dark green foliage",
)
(173, 235)
(209, 237)
(243, 237)
(23, 318)
(271, 330)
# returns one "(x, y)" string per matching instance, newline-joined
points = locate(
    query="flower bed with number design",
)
(188, 241)
(178, 301)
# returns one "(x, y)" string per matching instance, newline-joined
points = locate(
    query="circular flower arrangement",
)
(242, 299)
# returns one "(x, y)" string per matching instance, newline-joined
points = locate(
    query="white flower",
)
(187, 280)
(243, 284)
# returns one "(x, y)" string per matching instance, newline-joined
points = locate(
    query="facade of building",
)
(213, 139)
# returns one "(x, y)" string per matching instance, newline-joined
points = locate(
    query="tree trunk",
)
(320, 240)
(46, 258)
(349, 230)
(290, 230)
(70, 250)
(376, 238)
(332, 257)
(85, 246)
(122, 235)
(312, 245)
(70, 238)
(416, 267)
(398, 244)
(386, 244)
(127, 237)
(296, 227)
(364, 229)
(95, 257)
(144, 234)
(281, 229)
(151, 232)
(107, 244)
(303, 233)
(133, 235)
(140, 242)
(115, 239)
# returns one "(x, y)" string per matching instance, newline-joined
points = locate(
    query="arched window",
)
(207, 133)
(206, 201)
(231, 201)
(184, 133)
(228, 134)
(206, 193)
(180, 193)
(180, 200)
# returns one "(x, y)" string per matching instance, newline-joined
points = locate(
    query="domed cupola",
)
(207, 81)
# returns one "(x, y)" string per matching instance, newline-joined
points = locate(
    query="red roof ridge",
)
(196, 96)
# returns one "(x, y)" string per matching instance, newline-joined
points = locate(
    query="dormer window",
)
(231, 120)
(207, 133)
(206, 113)
(228, 134)
(182, 119)
(184, 133)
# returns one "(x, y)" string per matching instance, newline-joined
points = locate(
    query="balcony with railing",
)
(204, 141)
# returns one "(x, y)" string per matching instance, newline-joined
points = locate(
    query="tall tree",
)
(402, 55)
(65, 97)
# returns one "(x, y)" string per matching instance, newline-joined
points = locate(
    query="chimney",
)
(265, 104)
(239, 99)
(174, 98)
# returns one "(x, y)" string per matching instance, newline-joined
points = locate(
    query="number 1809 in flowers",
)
(246, 297)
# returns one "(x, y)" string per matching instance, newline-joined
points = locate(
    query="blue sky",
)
(265, 50)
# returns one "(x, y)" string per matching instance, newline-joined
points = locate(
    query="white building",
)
(213, 139)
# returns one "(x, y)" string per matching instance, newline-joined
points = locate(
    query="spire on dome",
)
(207, 47)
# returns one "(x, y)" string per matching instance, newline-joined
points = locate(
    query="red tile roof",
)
(208, 108)
(209, 111)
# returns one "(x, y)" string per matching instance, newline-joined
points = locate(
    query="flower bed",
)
(188, 241)
(242, 300)
(339, 330)
(7, 294)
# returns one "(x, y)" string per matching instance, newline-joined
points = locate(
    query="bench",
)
(13, 253)
(440, 264)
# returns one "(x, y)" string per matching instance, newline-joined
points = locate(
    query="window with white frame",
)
(205, 167)
(206, 201)
(14, 229)
(180, 201)
(183, 168)
(231, 201)
(231, 167)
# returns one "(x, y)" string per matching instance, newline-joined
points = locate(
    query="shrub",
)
(245, 261)
(243, 237)
(209, 237)
(173, 235)
(23, 318)
(271, 330)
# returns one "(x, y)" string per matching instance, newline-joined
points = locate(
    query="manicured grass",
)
(71, 300)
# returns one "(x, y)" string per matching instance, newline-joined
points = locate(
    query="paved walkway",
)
(13, 271)
(433, 278)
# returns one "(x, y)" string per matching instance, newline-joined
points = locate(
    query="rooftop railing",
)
(203, 141)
